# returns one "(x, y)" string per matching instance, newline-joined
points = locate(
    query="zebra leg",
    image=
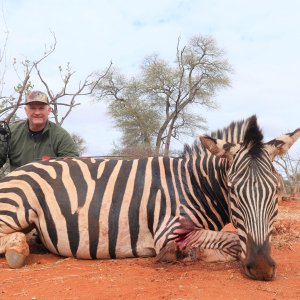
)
(205, 245)
(207, 255)
(208, 245)
(194, 243)
(16, 249)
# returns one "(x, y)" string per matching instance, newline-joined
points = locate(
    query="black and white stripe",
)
(93, 208)
(108, 208)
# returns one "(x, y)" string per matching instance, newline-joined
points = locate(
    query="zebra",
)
(170, 208)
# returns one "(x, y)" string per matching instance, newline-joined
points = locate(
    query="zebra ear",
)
(282, 144)
(219, 147)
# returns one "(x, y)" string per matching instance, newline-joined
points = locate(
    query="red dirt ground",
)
(47, 276)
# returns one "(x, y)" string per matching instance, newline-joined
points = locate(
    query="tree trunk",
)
(169, 136)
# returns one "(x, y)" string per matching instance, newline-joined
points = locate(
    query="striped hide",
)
(171, 208)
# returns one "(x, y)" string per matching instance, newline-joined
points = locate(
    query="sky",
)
(261, 41)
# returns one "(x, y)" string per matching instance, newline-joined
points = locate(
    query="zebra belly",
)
(107, 244)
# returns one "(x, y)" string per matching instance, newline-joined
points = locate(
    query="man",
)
(37, 136)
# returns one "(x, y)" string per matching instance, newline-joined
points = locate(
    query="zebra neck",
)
(207, 174)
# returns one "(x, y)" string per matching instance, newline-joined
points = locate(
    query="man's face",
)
(37, 114)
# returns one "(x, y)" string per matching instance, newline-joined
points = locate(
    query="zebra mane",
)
(188, 150)
(245, 132)
(253, 138)
(235, 132)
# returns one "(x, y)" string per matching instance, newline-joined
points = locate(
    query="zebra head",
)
(253, 185)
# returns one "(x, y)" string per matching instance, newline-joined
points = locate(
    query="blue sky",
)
(261, 40)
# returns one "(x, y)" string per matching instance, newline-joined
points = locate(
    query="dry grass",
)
(285, 234)
(287, 227)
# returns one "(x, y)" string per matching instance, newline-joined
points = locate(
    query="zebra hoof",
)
(14, 259)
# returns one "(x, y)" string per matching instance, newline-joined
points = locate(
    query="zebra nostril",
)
(260, 271)
(273, 270)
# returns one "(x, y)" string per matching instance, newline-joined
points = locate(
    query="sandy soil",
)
(47, 276)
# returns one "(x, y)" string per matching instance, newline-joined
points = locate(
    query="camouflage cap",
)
(37, 96)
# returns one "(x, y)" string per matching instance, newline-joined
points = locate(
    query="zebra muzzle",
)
(259, 264)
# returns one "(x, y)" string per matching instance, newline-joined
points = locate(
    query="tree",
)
(62, 102)
(289, 167)
(161, 103)
(79, 142)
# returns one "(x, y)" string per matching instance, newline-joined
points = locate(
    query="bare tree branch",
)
(63, 99)
(84, 89)
(290, 168)
(25, 84)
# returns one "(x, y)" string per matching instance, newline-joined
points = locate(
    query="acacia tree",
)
(160, 103)
(79, 142)
(290, 168)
